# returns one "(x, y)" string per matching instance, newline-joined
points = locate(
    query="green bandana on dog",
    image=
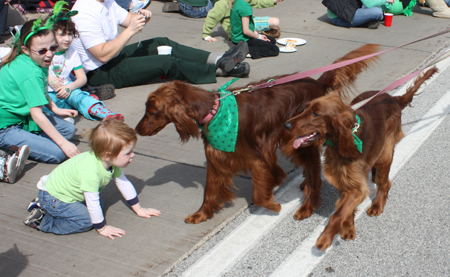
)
(223, 128)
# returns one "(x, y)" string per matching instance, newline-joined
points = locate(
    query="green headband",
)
(36, 28)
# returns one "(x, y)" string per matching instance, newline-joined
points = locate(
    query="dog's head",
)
(174, 102)
(325, 117)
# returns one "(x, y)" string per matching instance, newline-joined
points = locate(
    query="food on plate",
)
(290, 46)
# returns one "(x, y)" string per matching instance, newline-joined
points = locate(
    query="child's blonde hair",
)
(109, 137)
(230, 3)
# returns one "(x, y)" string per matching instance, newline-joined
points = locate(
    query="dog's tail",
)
(342, 79)
(406, 99)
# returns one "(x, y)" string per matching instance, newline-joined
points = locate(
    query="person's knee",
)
(274, 22)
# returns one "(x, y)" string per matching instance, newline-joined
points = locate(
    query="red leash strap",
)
(323, 69)
(399, 81)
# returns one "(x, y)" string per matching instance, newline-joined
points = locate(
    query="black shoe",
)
(240, 70)
(233, 56)
(103, 92)
(171, 7)
(373, 24)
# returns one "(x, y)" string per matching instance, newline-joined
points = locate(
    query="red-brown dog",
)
(260, 132)
(328, 119)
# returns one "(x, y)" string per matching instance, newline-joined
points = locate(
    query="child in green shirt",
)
(68, 200)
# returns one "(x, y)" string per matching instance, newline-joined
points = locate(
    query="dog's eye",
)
(314, 113)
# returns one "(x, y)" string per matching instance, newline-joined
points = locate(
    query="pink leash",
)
(323, 69)
(400, 81)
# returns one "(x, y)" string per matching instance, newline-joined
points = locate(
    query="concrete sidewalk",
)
(170, 176)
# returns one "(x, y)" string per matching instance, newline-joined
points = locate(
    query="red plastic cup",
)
(388, 19)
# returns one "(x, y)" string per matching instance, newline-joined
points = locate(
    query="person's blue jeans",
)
(195, 12)
(124, 4)
(447, 2)
(42, 147)
(362, 16)
(78, 100)
(63, 218)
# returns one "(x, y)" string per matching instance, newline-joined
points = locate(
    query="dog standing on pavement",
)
(260, 132)
(357, 142)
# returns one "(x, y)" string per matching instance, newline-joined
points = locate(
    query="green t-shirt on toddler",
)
(84, 172)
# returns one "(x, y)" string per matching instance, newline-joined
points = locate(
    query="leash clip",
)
(355, 129)
(236, 92)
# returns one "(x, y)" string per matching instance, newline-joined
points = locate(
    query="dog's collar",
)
(212, 112)
(358, 142)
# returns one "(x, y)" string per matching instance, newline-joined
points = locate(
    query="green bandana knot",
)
(356, 140)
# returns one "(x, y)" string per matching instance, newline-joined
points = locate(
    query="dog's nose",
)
(288, 126)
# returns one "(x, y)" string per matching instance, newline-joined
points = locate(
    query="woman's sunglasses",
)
(44, 51)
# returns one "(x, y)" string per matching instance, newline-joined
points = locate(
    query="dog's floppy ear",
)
(180, 114)
(343, 123)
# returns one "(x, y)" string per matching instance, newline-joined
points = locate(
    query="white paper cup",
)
(164, 50)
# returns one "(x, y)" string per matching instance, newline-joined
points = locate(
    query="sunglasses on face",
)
(44, 51)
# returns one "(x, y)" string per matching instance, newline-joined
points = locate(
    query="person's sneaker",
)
(117, 116)
(103, 92)
(8, 168)
(69, 119)
(240, 70)
(138, 5)
(233, 56)
(275, 32)
(22, 156)
(34, 219)
(171, 7)
(34, 204)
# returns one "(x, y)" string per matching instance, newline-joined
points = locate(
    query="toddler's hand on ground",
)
(110, 231)
(148, 212)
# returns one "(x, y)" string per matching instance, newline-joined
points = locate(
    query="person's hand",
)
(211, 39)
(147, 212)
(69, 149)
(137, 23)
(391, 1)
(64, 112)
(110, 231)
(263, 37)
(55, 83)
(147, 14)
(63, 92)
(277, 1)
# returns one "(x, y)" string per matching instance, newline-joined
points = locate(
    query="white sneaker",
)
(69, 119)
(137, 5)
(8, 169)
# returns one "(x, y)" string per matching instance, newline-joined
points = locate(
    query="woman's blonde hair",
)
(109, 137)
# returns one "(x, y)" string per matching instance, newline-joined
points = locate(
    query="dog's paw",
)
(348, 233)
(195, 218)
(324, 241)
(375, 210)
(303, 212)
(274, 206)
